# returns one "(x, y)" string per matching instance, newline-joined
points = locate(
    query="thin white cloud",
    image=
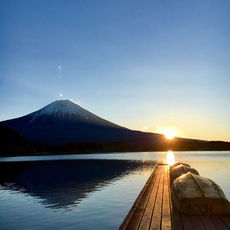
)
(59, 71)
(159, 129)
(59, 68)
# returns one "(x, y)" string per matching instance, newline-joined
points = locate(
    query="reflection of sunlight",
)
(170, 158)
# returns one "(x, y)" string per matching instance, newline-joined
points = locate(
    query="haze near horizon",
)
(144, 65)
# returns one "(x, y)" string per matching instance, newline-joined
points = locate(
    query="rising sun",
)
(169, 134)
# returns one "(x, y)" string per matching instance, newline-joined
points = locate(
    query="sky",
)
(144, 64)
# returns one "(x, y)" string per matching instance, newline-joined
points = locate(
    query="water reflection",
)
(64, 183)
(170, 159)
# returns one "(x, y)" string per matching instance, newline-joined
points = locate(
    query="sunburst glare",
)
(169, 134)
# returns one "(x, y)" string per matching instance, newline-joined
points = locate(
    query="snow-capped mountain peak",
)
(61, 107)
(68, 111)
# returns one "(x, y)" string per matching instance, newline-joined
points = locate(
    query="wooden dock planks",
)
(153, 209)
(153, 205)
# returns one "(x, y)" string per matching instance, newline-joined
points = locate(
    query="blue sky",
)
(146, 65)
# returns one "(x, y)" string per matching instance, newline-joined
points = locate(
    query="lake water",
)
(90, 191)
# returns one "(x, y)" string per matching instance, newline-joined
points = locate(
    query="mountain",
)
(63, 122)
(11, 143)
(64, 126)
(9, 136)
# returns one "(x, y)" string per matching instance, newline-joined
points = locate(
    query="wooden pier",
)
(153, 209)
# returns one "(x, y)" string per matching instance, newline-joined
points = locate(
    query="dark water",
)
(68, 194)
(92, 191)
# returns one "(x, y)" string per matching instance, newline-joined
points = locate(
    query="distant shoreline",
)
(95, 152)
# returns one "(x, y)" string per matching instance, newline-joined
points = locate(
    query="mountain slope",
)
(64, 121)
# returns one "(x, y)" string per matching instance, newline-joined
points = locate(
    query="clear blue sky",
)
(146, 65)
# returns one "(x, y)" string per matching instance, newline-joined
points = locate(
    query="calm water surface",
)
(93, 191)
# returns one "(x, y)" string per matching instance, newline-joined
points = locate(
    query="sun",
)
(169, 134)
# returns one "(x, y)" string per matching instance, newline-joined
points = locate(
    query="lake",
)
(90, 191)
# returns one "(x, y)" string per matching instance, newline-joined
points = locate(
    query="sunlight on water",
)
(170, 159)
